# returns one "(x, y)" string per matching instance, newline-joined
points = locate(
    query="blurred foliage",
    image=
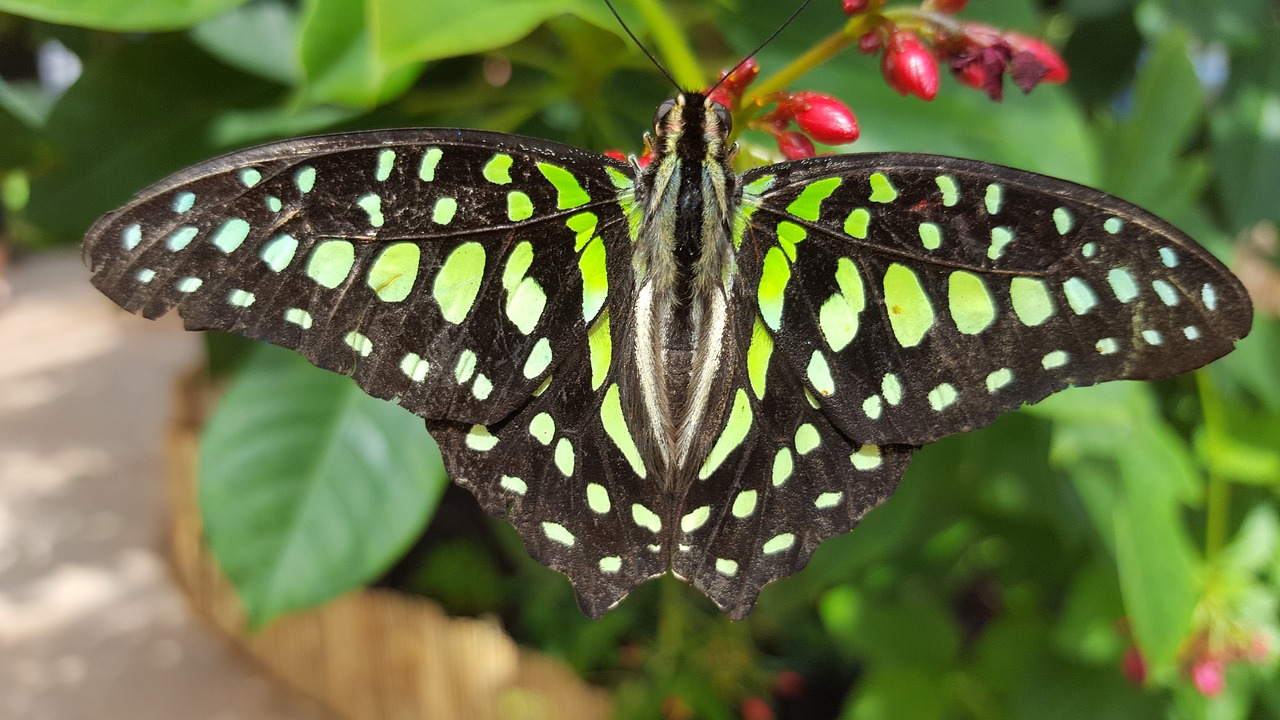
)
(1093, 556)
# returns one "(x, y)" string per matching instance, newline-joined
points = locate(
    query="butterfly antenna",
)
(640, 45)
(759, 47)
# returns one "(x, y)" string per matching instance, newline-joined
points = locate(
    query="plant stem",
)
(671, 44)
(1218, 496)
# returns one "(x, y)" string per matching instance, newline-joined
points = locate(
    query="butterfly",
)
(677, 368)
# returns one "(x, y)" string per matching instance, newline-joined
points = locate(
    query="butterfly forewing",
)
(920, 296)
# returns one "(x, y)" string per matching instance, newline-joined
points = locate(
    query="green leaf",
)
(309, 487)
(259, 38)
(120, 15)
(341, 58)
(1245, 137)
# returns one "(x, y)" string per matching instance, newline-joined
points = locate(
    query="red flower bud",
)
(948, 6)
(909, 67)
(822, 117)
(616, 155)
(723, 97)
(645, 159)
(1209, 676)
(794, 146)
(741, 77)
(1133, 666)
(1057, 71)
(870, 43)
(788, 684)
(754, 708)
(855, 7)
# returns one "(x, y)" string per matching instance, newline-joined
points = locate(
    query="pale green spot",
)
(950, 190)
(564, 457)
(999, 379)
(465, 368)
(181, 237)
(1167, 294)
(183, 202)
(809, 398)
(788, 235)
(910, 313)
(145, 275)
(942, 397)
(646, 518)
(250, 177)
(857, 223)
(519, 206)
(872, 407)
(600, 349)
(230, 234)
(726, 567)
(598, 498)
(525, 305)
(305, 178)
(745, 504)
(807, 439)
(1062, 220)
(273, 203)
(760, 185)
(279, 251)
(371, 203)
(610, 564)
(479, 439)
(1168, 257)
(584, 225)
(498, 169)
(930, 236)
(298, 317)
(782, 467)
(820, 374)
(695, 519)
(773, 282)
(1000, 237)
(358, 342)
(539, 359)
(1107, 346)
(1122, 284)
(619, 179)
(394, 271)
(542, 387)
(972, 309)
(866, 458)
(891, 388)
(758, 354)
(808, 205)
(1207, 294)
(131, 236)
(556, 532)
(1113, 225)
(828, 500)
(838, 316)
(514, 484)
(443, 211)
(414, 367)
(430, 159)
(458, 282)
(241, 298)
(482, 388)
(1191, 332)
(615, 426)
(1089, 249)
(994, 198)
(518, 263)
(570, 191)
(1031, 301)
(882, 191)
(734, 432)
(595, 279)
(1080, 296)
(386, 160)
(1055, 359)
(331, 262)
(543, 428)
(779, 543)
(188, 284)
(1153, 337)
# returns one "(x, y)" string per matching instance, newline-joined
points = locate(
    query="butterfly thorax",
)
(684, 277)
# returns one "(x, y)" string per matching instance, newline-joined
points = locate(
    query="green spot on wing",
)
(758, 354)
(734, 432)
(788, 235)
(498, 169)
(395, 271)
(331, 262)
(570, 191)
(430, 159)
(882, 190)
(371, 203)
(595, 279)
(909, 309)
(972, 309)
(458, 281)
(857, 223)
(773, 284)
(443, 211)
(519, 206)
(386, 160)
(615, 426)
(1031, 300)
(279, 251)
(808, 204)
(950, 190)
(230, 234)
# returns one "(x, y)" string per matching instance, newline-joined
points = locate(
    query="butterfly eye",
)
(663, 110)
(726, 117)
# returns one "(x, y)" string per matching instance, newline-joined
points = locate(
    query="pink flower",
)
(909, 66)
(1209, 676)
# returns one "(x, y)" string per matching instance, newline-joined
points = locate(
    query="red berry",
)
(794, 146)
(742, 76)
(754, 708)
(870, 43)
(1057, 71)
(855, 7)
(909, 67)
(788, 684)
(1133, 666)
(822, 117)
(616, 155)
(1209, 676)
(722, 96)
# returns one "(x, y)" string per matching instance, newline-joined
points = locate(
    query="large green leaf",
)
(308, 486)
(120, 15)
(1246, 137)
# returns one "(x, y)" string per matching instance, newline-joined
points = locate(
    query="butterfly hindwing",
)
(920, 296)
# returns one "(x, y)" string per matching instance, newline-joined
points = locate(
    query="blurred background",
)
(1111, 552)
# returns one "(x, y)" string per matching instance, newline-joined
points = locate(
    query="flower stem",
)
(671, 44)
(1218, 495)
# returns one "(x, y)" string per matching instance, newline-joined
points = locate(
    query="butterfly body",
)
(681, 368)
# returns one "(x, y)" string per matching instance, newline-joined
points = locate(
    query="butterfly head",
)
(693, 128)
